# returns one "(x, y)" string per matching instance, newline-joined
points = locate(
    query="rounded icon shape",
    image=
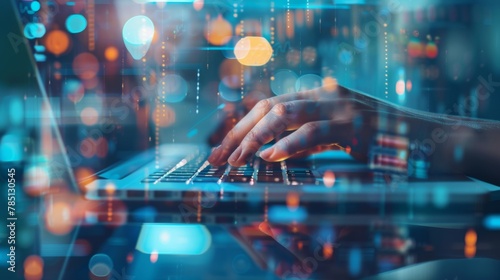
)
(307, 82)
(100, 265)
(218, 31)
(172, 88)
(57, 42)
(253, 51)
(284, 82)
(35, 6)
(76, 23)
(138, 30)
(137, 35)
(34, 30)
(229, 94)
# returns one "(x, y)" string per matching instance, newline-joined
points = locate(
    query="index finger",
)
(232, 140)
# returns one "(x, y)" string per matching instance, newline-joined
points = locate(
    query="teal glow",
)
(284, 82)
(284, 214)
(137, 35)
(76, 23)
(440, 197)
(11, 148)
(174, 239)
(35, 6)
(355, 261)
(174, 88)
(492, 222)
(34, 30)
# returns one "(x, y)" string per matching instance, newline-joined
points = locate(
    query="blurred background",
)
(116, 77)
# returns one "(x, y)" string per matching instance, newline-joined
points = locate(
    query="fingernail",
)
(235, 156)
(215, 155)
(267, 153)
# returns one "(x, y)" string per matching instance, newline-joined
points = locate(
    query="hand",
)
(319, 119)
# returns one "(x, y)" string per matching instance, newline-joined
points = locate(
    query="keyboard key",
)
(180, 173)
(300, 181)
(148, 180)
(173, 180)
(268, 179)
(238, 179)
(206, 179)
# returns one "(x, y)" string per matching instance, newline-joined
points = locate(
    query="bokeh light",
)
(57, 42)
(89, 116)
(172, 88)
(330, 84)
(111, 53)
(87, 147)
(137, 35)
(309, 55)
(231, 72)
(293, 57)
(34, 30)
(85, 66)
(229, 94)
(35, 6)
(327, 250)
(58, 218)
(470, 243)
(440, 196)
(284, 82)
(415, 48)
(431, 50)
(409, 86)
(329, 179)
(102, 147)
(307, 82)
(83, 175)
(346, 57)
(163, 116)
(470, 237)
(73, 90)
(174, 239)
(292, 200)
(198, 4)
(253, 51)
(100, 265)
(218, 31)
(76, 23)
(400, 87)
(36, 180)
(33, 268)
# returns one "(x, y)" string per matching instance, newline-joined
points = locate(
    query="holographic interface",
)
(263, 139)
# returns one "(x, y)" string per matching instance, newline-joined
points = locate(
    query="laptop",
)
(172, 172)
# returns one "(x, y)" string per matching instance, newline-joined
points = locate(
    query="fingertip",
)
(214, 156)
(267, 153)
(233, 159)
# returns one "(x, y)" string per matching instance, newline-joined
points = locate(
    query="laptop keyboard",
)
(257, 170)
